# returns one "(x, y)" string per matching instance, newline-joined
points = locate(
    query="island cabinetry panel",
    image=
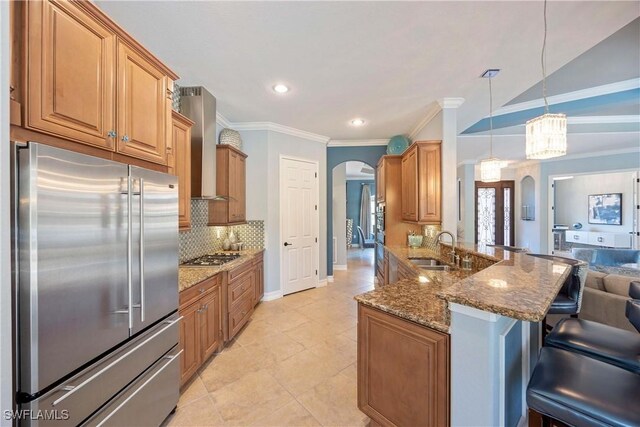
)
(422, 183)
(230, 183)
(201, 328)
(179, 162)
(403, 371)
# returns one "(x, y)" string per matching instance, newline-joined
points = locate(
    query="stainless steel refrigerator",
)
(96, 272)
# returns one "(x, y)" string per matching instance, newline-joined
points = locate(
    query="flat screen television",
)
(605, 209)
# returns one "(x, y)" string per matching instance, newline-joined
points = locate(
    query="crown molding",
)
(356, 142)
(222, 120)
(571, 96)
(450, 102)
(431, 114)
(275, 127)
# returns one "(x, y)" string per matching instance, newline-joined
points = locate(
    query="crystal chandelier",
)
(490, 168)
(546, 135)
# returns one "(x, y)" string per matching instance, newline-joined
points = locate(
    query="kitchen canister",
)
(230, 137)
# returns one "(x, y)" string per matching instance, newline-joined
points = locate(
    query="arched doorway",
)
(353, 214)
(335, 156)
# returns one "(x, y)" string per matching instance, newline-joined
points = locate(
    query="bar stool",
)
(569, 299)
(606, 343)
(581, 391)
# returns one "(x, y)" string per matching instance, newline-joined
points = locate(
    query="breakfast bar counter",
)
(478, 326)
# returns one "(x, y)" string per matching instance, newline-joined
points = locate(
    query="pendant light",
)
(490, 168)
(546, 135)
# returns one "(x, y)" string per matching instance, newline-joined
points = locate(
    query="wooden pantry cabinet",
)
(201, 332)
(231, 183)
(81, 78)
(422, 183)
(403, 371)
(179, 162)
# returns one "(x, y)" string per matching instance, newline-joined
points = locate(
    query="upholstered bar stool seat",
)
(582, 391)
(606, 343)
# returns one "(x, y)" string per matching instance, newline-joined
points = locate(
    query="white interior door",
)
(299, 224)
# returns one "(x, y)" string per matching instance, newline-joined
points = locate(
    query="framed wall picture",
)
(605, 209)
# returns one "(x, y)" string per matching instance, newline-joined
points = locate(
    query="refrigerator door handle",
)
(129, 255)
(141, 250)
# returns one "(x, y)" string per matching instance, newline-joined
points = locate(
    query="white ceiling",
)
(355, 171)
(387, 62)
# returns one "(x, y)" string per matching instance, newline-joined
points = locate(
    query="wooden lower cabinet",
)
(403, 371)
(201, 326)
(259, 285)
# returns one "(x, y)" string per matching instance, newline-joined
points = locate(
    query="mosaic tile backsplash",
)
(203, 239)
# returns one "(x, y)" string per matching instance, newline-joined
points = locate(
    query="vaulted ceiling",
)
(386, 62)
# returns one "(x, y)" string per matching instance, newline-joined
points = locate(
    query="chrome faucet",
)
(453, 245)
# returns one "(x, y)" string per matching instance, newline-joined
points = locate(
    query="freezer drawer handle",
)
(72, 389)
(169, 358)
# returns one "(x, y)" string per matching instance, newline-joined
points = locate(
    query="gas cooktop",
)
(212, 260)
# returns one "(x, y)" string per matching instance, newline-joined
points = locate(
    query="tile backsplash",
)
(203, 239)
(429, 240)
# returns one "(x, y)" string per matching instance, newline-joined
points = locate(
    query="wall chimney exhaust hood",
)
(199, 105)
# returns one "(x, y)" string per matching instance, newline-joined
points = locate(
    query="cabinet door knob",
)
(111, 134)
(125, 138)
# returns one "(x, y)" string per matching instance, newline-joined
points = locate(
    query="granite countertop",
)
(514, 285)
(191, 275)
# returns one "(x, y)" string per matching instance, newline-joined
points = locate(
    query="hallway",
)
(294, 364)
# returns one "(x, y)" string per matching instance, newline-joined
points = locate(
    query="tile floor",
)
(294, 364)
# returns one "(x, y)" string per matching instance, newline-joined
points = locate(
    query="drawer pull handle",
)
(244, 313)
(600, 239)
(201, 290)
(575, 237)
(73, 389)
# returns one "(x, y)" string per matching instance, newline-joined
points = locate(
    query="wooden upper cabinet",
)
(70, 74)
(179, 162)
(80, 77)
(231, 183)
(422, 183)
(142, 91)
(410, 185)
(381, 181)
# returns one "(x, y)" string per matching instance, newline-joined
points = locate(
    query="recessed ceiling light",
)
(280, 88)
(357, 122)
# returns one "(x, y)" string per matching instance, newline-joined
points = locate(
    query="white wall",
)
(528, 232)
(264, 149)
(571, 199)
(466, 224)
(432, 131)
(340, 215)
(6, 349)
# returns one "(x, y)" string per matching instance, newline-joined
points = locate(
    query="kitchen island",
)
(453, 347)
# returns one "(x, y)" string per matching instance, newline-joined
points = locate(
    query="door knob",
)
(288, 244)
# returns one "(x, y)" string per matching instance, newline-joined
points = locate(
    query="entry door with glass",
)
(494, 213)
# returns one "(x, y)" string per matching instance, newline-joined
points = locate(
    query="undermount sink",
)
(439, 267)
(426, 262)
(430, 264)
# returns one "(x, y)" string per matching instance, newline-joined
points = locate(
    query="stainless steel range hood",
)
(200, 106)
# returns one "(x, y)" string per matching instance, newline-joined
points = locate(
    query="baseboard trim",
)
(322, 283)
(330, 279)
(270, 296)
(339, 266)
